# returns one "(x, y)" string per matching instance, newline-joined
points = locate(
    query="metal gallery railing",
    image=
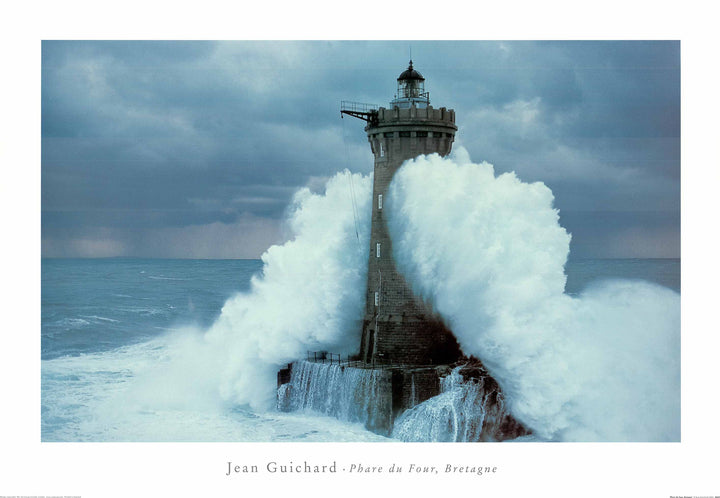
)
(350, 360)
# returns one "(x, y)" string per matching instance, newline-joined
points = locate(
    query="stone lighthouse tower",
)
(398, 327)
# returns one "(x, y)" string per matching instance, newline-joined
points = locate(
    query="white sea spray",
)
(310, 295)
(488, 252)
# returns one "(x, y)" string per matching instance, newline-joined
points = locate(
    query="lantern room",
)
(411, 90)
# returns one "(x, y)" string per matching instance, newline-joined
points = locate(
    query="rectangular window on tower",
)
(377, 298)
(379, 202)
(382, 150)
(377, 250)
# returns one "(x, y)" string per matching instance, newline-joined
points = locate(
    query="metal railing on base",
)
(326, 357)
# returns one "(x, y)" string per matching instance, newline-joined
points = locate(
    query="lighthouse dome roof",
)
(410, 74)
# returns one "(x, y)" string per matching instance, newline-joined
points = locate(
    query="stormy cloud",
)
(194, 149)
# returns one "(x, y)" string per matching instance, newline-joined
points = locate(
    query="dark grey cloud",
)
(150, 147)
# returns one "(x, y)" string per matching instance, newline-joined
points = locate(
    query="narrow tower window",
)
(377, 298)
(379, 202)
(377, 250)
(382, 150)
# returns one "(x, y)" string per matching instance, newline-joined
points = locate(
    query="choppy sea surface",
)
(106, 322)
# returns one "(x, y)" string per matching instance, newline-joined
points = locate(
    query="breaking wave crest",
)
(309, 296)
(488, 253)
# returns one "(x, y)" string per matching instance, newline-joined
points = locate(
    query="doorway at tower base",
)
(458, 402)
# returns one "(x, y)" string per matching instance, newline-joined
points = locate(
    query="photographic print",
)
(360, 241)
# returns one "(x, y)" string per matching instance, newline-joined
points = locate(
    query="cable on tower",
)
(353, 199)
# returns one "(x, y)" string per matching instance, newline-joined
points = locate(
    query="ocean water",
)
(106, 326)
(581, 272)
(108, 323)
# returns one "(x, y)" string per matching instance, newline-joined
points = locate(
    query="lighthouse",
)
(405, 350)
(398, 327)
